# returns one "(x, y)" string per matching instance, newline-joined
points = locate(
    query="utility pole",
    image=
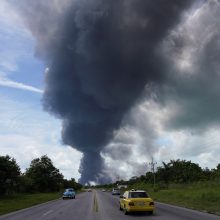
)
(117, 179)
(153, 163)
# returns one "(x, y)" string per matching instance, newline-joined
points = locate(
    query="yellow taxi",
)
(136, 201)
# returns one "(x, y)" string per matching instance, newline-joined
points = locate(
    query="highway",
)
(99, 205)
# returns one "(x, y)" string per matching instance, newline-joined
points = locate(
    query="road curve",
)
(99, 205)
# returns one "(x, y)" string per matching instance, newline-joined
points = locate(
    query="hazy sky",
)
(122, 82)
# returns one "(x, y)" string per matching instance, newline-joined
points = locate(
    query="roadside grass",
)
(20, 201)
(202, 196)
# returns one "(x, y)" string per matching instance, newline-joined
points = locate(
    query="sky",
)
(102, 87)
(26, 130)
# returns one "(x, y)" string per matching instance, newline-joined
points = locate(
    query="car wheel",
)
(151, 212)
(125, 211)
(74, 197)
(120, 208)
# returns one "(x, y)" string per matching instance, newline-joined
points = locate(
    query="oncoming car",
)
(69, 194)
(136, 201)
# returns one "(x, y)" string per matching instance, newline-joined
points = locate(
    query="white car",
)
(115, 191)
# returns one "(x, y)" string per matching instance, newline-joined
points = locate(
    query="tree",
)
(179, 171)
(45, 176)
(26, 184)
(71, 184)
(208, 174)
(164, 173)
(183, 171)
(9, 174)
(216, 172)
(150, 177)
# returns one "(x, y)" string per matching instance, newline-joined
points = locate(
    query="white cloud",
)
(145, 135)
(24, 149)
(9, 83)
(27, 133)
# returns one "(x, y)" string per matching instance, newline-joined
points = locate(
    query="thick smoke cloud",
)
(101, 55)
(182, 114)
(193, 70)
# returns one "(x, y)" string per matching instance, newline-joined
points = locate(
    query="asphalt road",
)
(99, 205)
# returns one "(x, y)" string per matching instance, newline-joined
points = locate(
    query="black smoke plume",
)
(101, 54)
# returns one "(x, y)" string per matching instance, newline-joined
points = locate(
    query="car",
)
(103, 190)
(136, 201)
(89, 190)
(115, 191)
(69, 194)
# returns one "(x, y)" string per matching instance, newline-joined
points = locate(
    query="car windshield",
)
(69, 190)
(138, 195)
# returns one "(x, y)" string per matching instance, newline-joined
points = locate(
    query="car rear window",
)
(138, 195)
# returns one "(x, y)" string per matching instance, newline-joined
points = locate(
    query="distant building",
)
(122, 186)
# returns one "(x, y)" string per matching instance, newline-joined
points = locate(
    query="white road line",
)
(46, 213)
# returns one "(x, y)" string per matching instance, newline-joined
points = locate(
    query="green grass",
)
(203, 196)
(21, 201)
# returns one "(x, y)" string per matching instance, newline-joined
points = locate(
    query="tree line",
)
(41, 176)
(174, 172)
(184, 172)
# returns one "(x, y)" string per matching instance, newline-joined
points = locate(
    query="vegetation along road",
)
(97, 205)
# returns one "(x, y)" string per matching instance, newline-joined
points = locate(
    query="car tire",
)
(125, 211)
(74, 197)
(150, 212)
(120, 208)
